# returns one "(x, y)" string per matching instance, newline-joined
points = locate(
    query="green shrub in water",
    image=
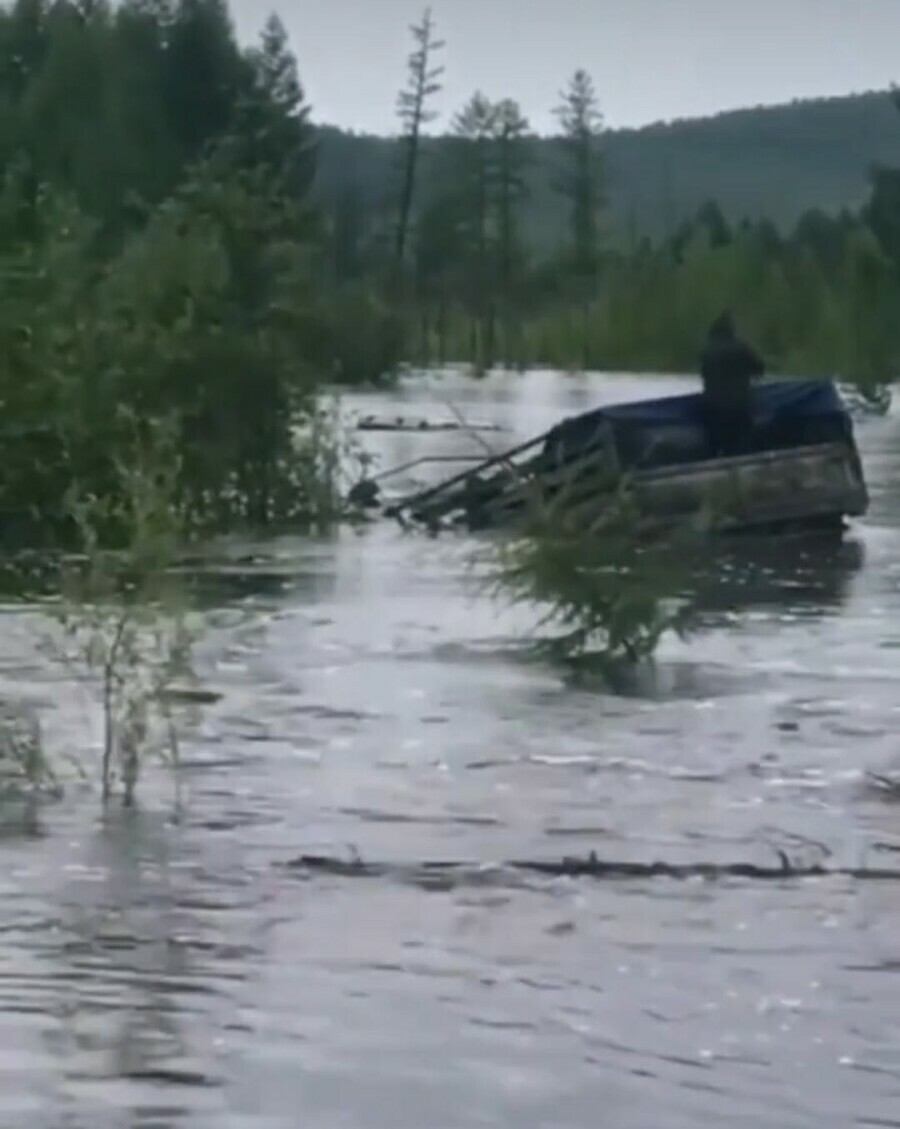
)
(607, 590)
(124, 617)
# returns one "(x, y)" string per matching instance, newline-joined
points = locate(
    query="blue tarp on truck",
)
(787, 413)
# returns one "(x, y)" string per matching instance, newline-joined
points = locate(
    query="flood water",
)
(375, 703)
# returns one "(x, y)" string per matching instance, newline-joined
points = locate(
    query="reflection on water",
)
(784, 577)
(165, 972)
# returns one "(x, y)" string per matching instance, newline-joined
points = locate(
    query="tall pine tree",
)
(272, 116)
(581, 179)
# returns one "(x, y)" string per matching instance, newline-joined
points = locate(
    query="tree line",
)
(454, 229)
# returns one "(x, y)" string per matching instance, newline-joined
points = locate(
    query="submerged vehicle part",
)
(799, 464)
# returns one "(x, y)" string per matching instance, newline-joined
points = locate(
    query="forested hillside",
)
(770, 162)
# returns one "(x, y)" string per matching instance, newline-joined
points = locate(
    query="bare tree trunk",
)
(408, 186)
(412, 108)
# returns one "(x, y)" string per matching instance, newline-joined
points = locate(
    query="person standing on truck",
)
(728, 366)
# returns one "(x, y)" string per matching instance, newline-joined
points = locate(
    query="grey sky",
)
(650, 59)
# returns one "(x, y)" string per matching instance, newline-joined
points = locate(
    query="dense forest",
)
(185, 257)
(160, 302)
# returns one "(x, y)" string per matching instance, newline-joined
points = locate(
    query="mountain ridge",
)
(769, 162)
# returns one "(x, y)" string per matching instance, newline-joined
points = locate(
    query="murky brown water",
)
(163, 975)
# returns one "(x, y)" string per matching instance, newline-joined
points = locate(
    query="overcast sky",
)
(650, 59)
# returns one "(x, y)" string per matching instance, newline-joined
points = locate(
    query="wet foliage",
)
(605, 588)
(123, 619)
(162, 265)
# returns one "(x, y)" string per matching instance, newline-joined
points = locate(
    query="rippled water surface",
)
(374, 703)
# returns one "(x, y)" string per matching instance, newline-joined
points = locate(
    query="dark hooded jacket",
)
(728, 366)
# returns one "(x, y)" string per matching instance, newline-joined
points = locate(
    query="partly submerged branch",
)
(450, 874)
